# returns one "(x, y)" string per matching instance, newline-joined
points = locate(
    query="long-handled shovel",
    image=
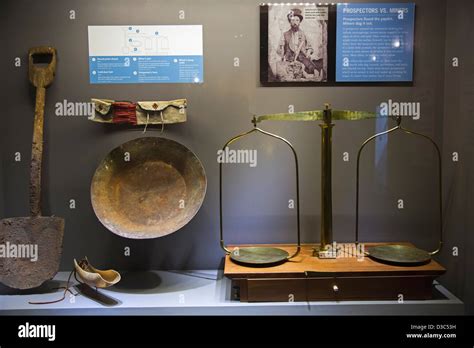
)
(32, 245)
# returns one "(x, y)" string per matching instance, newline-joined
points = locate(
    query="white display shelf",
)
(203, 292)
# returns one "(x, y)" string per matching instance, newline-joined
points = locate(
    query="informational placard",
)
(374, 42)
(146, 54)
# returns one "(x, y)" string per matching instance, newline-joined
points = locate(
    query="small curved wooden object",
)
(95, 277)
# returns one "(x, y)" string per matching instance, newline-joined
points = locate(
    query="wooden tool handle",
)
(37, 153)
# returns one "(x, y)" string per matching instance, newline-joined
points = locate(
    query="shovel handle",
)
(37, 153)
(41, 76)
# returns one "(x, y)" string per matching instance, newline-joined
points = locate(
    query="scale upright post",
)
(326, 183)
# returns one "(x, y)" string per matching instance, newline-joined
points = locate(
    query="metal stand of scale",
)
(316, 272)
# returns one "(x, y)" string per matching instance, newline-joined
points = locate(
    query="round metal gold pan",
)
(399, 254)
(258, 256)
(148, 187)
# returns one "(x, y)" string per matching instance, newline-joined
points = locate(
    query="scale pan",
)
(259, 255)
(400, 254)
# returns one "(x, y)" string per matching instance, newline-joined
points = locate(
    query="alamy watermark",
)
(19, 251)
(406, 109)
(28, 330)
(237, 156)
(68, 108)
(344, 250)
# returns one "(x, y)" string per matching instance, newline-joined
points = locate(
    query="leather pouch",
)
(161, 112)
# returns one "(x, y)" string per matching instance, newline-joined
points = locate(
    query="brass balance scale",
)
(315, 272)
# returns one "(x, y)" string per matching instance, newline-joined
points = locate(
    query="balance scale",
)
(318, 272)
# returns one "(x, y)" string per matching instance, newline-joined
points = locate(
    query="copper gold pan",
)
(148, 187)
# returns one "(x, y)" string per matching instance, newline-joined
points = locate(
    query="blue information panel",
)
(146, 54)
(145, 69)
(374, 42)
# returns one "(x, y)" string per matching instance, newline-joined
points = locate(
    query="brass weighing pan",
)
(258, 255)
(148, 187)
(398, 253)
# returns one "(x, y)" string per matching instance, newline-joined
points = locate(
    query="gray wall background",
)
(458, 136)
(256, 199)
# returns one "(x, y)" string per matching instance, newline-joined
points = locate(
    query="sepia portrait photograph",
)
(297, 43)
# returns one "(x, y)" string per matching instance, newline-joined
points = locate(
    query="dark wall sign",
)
(331, 44)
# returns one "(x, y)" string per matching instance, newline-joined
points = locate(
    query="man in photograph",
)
(294, 45)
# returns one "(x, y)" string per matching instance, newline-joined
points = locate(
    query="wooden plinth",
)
(308, 278)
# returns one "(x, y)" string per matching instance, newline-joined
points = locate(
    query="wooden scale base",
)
(309, 278)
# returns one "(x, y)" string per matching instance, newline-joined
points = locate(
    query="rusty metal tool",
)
(34, 243)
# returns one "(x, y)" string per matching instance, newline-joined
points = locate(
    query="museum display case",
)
(243, 158)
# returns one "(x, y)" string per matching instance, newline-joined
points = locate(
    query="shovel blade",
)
(30, 250)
